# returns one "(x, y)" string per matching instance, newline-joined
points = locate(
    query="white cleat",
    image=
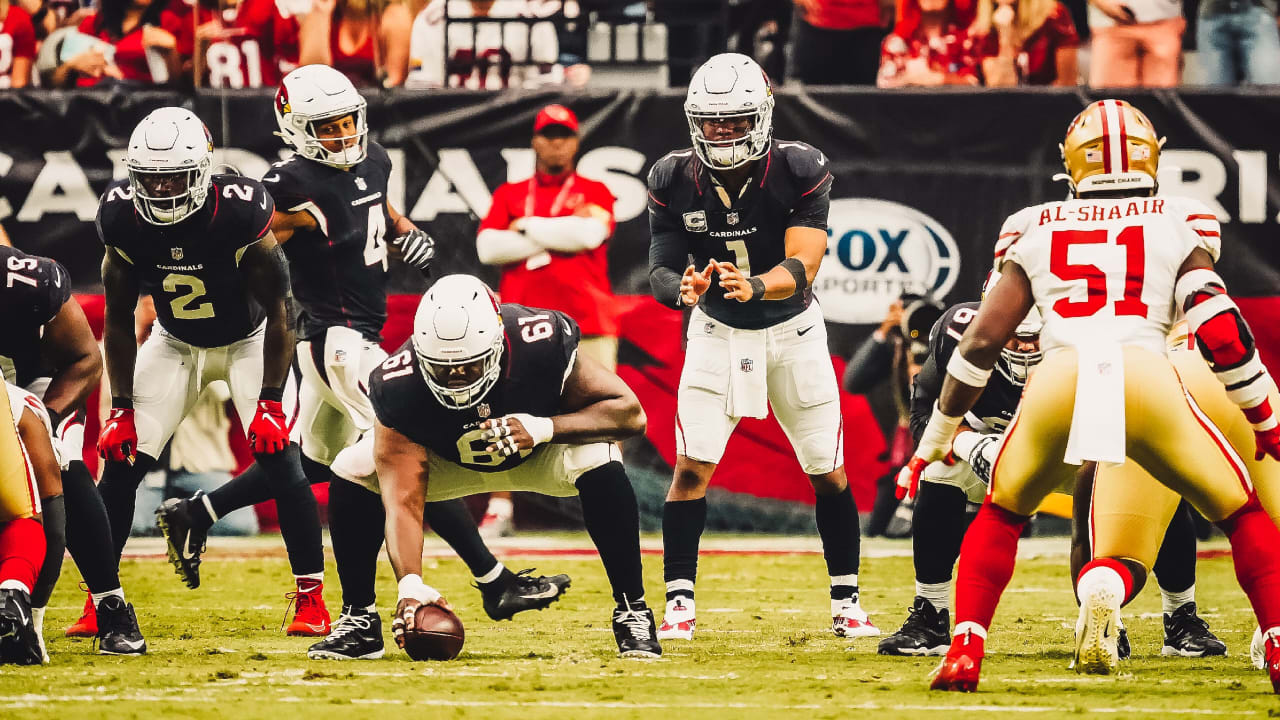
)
(678, 622)
(1097, 631)
(849, 620)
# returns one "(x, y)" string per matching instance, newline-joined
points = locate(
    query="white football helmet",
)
(458, 338)
(727, 86)
(170, 164)
(1016, 366)
(308, 97)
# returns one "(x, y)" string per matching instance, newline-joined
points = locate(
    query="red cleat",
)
(87, 625)
(310, 616)
(960, 668)
(1273, 661)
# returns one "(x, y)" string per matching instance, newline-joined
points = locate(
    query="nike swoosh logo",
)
(313, 626)
(133, 644)
(549, 592)
(264, 202)
(802, 332)
(271, 178)
(22, 615)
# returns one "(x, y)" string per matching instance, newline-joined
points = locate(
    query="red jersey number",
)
(1131, 239)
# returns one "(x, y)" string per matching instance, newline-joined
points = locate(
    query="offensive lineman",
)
(945, 491)
(470, 404)
(1108, 292)
(201, 245)
(757, 338)
(332, 218)
(50, 351)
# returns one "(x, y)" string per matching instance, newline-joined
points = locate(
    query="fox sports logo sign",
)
(877, 250)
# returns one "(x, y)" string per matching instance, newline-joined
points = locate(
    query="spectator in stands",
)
(240, 43)
(1027, 42)
(449, 49)
(1239, 42)
(930, 46)
(548, 233)
(17, 45)
(1136, 43)
(368, 40)
(885, 364)
(130, 40)
(837, 42)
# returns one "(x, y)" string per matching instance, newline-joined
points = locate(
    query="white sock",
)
(208, 506)
(1101, 578)
(98, 597)
(492, 575)
(500, 506)
(971, 627)
(1173, 601)
(849, 580)
(15, 585)
(373, 608)
(684, 587)
(37, 619)
(937, 594)
(312, 577)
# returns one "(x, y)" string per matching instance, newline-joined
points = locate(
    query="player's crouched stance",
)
(26, 455)
(486, 397)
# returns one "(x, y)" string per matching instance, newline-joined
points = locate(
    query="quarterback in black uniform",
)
(201, 245)
(945, 490)
(752, 211)
(47, 347)
(471, 404)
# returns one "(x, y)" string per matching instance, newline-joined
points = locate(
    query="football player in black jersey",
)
(49, 349)
(332, 218)
(201, 245)
(470, 404)
(944, 492)
(752, 211)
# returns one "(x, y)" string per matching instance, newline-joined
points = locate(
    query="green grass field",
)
(763, 650)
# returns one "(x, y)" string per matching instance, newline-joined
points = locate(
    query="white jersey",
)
(21, 400)
(1103, 271)
(489, 56)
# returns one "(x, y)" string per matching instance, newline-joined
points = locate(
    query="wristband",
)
(966, 372)
(271, 394)
(798, 274)
(411, 586)
(541, 429)
(937, 435)
(121, 403)
(757, 289)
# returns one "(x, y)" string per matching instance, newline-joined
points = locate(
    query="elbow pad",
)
(1222, 336)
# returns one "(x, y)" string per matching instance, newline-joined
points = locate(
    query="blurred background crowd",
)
(495, 44)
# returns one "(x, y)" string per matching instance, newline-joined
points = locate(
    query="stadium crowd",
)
(530, 43)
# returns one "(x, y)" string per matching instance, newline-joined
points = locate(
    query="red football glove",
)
(909, 476)
(269, 431)
(1268, 443)
(118, 441)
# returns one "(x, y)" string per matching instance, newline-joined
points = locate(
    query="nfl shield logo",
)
(360, 183)
(176, 253)
(709, 328)
(732, 218)
(483, 410)
(745, 365)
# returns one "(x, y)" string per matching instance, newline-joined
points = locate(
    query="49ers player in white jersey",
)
(1109, 270)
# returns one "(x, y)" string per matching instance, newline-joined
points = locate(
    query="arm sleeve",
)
(566, 234)
(869, 366)
(668, 254)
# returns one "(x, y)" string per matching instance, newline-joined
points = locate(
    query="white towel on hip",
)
(748, 389)
(1097, 421)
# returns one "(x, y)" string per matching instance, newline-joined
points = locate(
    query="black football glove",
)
(417, 248)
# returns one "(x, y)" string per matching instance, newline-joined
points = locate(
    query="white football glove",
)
(979, 450)
(417, 248)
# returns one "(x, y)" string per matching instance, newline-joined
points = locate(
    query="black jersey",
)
(789, 187)
(339, 270)
(192, 268)
(540, 350)
(995, 406)
(33, 291)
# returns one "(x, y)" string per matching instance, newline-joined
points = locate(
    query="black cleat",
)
(357, 635)
(184, 541)
(1188, 635)
(118, 632)
(636, 631)
(927, 631)
(523, 592)
(19, 644)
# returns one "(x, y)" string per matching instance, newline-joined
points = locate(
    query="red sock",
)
(987, 556)
(21, 551)
(1120, 570)
(1255, 549)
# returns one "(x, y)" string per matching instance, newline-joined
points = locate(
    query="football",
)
(437, 634)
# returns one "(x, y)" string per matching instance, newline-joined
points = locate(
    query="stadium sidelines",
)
(568, 544)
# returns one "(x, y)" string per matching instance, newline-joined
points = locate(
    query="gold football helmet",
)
(1111, 145)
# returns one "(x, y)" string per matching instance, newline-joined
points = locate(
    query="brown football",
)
(437, 635)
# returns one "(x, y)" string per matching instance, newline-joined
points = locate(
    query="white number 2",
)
(740, 258)
(375, 246)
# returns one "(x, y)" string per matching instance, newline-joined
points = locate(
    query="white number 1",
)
(740, 257)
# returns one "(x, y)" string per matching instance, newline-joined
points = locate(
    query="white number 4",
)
(375, 246)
